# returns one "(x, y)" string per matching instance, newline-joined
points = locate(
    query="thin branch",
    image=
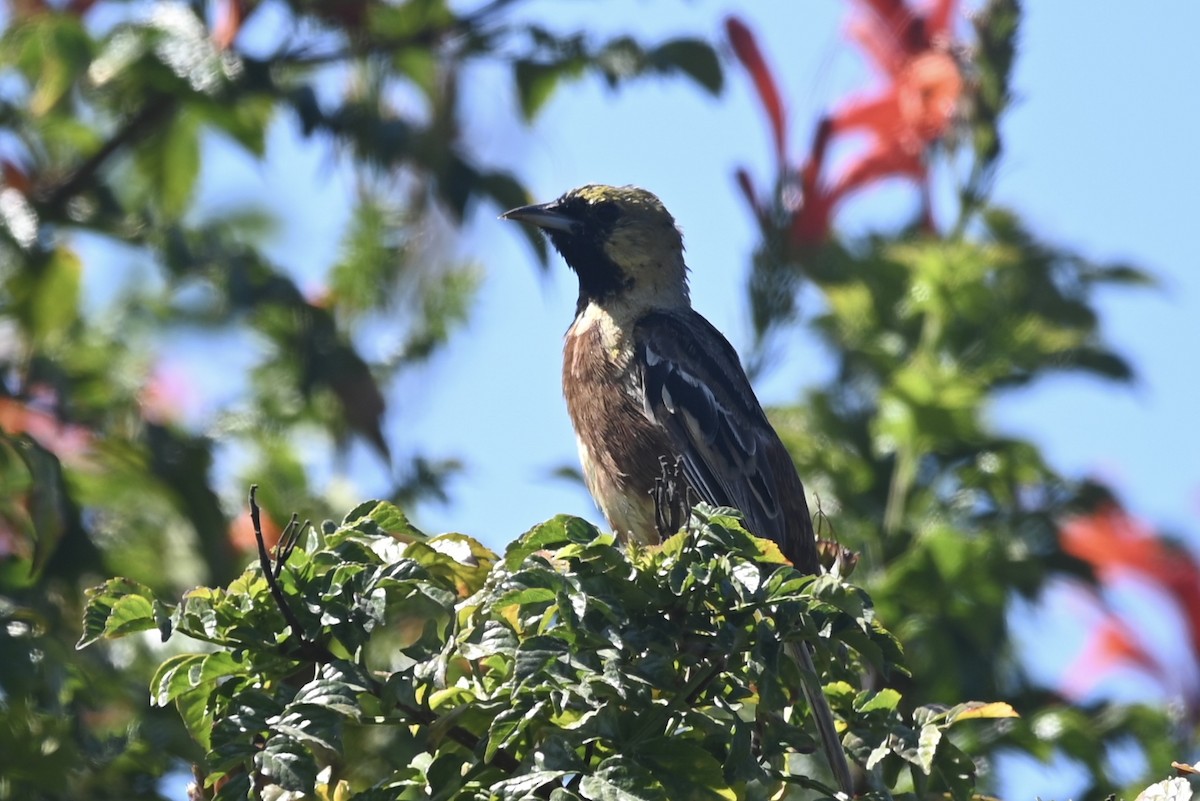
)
(311, 650)
(501, 759)
(149, 115)
(422, 38)
(287, 543)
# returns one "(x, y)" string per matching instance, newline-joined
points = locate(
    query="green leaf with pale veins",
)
(927, 744)
(620, 779)
(186, 672)
(120, 607)
(554, 533)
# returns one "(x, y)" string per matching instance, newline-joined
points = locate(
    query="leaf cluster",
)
(410, 666)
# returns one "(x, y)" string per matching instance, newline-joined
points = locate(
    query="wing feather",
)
(694, 388)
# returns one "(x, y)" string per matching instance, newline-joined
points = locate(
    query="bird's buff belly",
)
(631, 514)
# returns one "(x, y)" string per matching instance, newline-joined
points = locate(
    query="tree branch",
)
(423, 38)
(147, 117)
(307, 648)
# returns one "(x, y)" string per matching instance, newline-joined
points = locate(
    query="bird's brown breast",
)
(619, 447)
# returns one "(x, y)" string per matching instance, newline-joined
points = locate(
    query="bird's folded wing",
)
(695, 389)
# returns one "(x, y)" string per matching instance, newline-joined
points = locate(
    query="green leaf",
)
(422, 68)
(337, 689)
(460, 561)
(978, 709)
(525, 785)
(117, 608)
(693, 57)
(169, 162)
(927, 745)
(1126, 274)
(310, 726)
(886, 699)
(56, 50)
(685, 769)
(526, 596)
(246, 121)
(563, 794)
(47, 295)
(536, 654)
(620, 779)
(33, 500)
(288, 764)
(196, 714)
(237, 788)
(392, 520)
(554, 533)
(535, 83)
(186, 672)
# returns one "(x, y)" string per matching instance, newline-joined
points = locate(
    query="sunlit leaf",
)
(120, 607)
(169, 163)
(927, 744)
(996, 709)
(186, 672)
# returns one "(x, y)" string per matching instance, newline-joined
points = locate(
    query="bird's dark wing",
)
(694, 388)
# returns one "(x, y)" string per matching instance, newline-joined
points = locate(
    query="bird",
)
(648, 380)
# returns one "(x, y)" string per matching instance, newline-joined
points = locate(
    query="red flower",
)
(167, 396)
(230, 16)
(1117, 545)
(892, 34)
(70, 443)
(913, 52)
(745, 47)
(241, 531)
(1112, 642)
(916, 108)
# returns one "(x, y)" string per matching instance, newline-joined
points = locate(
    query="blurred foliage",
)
(375, 662)
(925, 328)
(108, 111)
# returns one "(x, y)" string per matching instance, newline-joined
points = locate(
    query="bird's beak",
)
(547, 216)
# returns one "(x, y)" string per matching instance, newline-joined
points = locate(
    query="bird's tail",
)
(823, 716)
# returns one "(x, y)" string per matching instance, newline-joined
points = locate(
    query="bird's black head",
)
(620, 241)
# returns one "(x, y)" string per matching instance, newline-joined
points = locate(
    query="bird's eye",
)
(605, 213)
(598, 216)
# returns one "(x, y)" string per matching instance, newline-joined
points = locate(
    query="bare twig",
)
(307, 648)
(287, 543)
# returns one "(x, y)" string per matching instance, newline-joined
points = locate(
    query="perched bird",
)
(647, 378)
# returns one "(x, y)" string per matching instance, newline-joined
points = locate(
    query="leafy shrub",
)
(374, 661)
